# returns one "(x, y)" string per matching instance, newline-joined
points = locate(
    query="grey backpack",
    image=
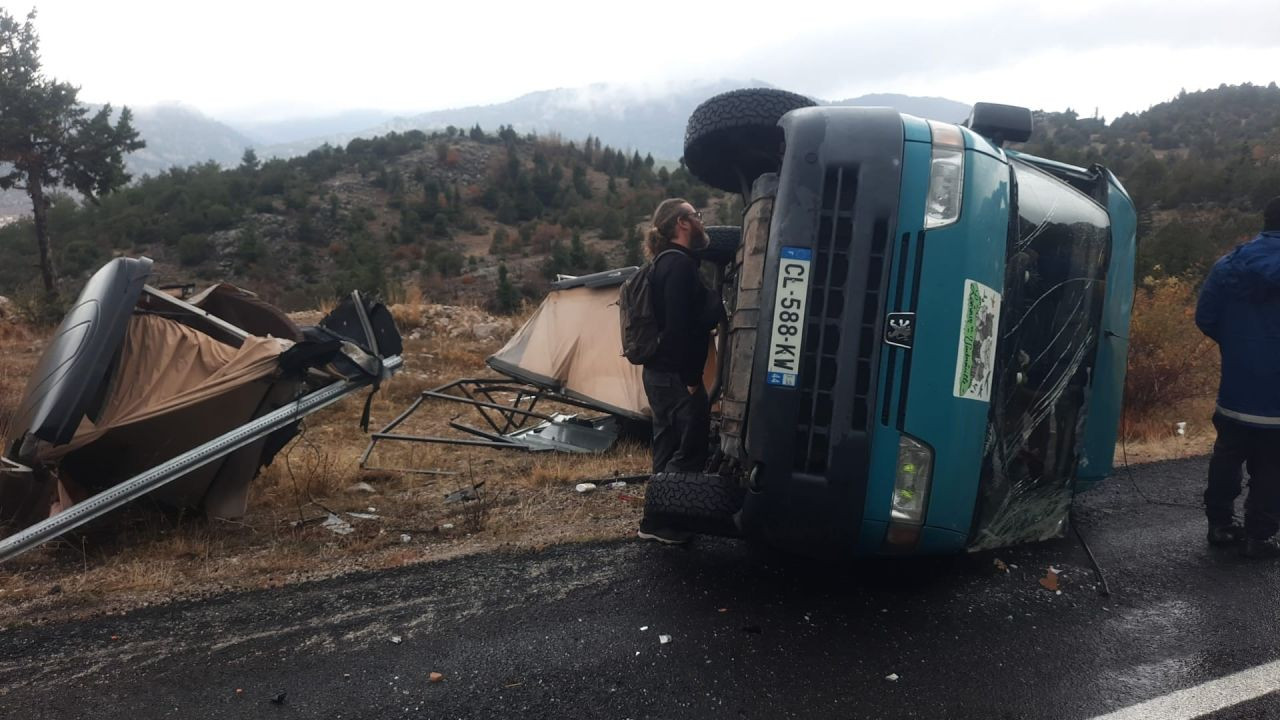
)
(639, 324)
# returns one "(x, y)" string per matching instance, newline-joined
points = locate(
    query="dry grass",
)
(21, 349)
(1170, 360)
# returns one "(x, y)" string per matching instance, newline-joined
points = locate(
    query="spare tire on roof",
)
(733, 138)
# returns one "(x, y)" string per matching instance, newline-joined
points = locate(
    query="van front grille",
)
(819, 357)
(869, 330)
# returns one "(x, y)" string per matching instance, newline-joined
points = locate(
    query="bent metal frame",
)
(486, 396)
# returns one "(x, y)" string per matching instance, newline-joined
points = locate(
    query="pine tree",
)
(47, 139)
(577, 253)
(631, 245)
(507, 297)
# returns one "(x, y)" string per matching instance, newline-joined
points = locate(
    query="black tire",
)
(733, 138)
(694, 501)
(722, 244)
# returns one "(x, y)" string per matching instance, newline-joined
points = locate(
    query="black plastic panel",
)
(69, 379)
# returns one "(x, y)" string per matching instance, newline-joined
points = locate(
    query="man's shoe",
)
(1261, 549)
(650, 530)
(1230, 534)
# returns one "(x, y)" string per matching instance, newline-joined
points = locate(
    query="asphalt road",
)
(575, 632)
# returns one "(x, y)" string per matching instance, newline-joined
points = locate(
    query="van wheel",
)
(733, 138)
(698, 502)
(722, 244)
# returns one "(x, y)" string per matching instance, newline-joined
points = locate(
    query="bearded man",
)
(686, 311)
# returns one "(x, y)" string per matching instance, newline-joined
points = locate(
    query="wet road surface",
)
(753, 634)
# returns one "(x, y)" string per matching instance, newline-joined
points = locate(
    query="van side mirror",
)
(1000, 123)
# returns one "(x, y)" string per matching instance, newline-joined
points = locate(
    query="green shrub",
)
(194, 249)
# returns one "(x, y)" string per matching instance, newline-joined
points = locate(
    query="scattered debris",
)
(466, 494)
(279, 698)
(447, 526)
(364, 516)
(396, 639)
(435, 677)
(891, 677)
(1180, 428)
(363, 487)
(643, 628)
(664, 639)
(239, 691)
(1000, 566)
(1050, 580)
(405, 537)
(618, 484)
(585, 487)
(337, 525)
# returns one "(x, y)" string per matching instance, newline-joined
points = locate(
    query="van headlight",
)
(946, 176)
(911, 482)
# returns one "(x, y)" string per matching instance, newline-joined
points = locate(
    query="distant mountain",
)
(176, 136)
(180, 136)
(279, 132)
(650, 122)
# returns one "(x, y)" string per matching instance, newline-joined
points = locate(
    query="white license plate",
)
(788, 317)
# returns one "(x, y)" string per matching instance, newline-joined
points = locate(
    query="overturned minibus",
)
(927, 332)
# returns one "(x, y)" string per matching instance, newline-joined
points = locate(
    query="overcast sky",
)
(270, 59)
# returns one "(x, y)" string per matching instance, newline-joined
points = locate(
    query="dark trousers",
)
(681, 423)
(1258, 449)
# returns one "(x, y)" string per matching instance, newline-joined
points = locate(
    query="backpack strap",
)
(658, 257)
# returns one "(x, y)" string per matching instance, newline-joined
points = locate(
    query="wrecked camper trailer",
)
(139, 392)
(568, 353)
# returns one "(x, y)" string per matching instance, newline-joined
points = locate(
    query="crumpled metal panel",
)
(569, 433)
(1049, 324)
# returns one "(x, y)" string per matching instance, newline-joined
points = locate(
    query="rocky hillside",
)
(1200, 167)
(444, 216)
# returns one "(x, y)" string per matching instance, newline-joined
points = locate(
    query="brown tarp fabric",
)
(573, 344)
(246, 311)
(166, 366)
(173, 389)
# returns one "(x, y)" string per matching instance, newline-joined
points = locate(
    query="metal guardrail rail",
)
(160, 475)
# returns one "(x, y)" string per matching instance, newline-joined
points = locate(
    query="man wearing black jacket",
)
(686, 311)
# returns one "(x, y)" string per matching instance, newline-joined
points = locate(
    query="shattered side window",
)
(1050, 316)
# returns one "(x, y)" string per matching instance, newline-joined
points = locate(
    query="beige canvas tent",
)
(573, 345)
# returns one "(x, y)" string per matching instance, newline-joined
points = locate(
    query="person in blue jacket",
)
(1239, 309)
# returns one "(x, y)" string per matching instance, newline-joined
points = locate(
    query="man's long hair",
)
(663, 226)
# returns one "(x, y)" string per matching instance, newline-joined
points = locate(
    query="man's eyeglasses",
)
(694, 214)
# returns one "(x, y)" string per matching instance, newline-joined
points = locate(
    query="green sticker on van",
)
(975, 357)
